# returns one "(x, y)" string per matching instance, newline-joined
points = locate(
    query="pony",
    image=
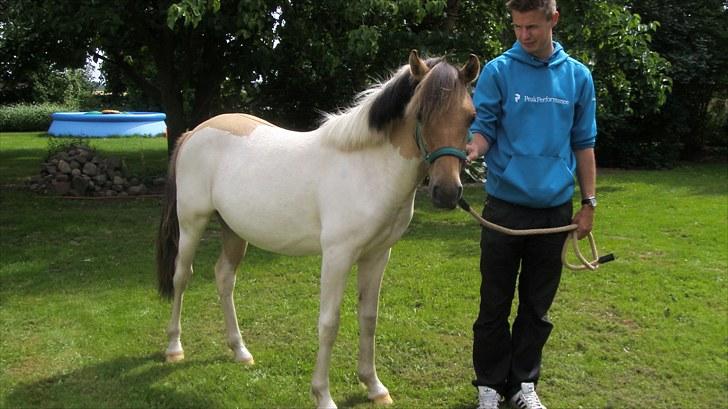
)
(345, 190)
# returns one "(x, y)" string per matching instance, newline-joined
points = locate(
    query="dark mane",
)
(390, 104)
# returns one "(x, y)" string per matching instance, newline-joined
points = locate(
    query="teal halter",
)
(430, 157)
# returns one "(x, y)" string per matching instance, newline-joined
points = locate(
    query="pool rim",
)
(100, 117)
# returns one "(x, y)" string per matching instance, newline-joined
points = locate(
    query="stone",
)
(113, 162)
(80, 185)
(80, 170)
(63, 166)
(83, 155)
(61, 187)
(137, 190)
(90, 169)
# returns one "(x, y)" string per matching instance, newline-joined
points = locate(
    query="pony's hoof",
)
(383, 400)
(243, 356)
(175, 357)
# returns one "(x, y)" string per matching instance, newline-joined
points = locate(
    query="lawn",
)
(81, 325)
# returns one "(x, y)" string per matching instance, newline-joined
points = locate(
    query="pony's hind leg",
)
(369, 280)
(233, 251)
(191, 229)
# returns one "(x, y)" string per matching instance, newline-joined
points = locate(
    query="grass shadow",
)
(110, 384)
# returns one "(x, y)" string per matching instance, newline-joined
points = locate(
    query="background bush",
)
(29, 117)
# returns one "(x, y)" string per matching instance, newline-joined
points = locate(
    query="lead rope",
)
(571, 228)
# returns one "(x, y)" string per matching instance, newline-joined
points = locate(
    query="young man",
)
(536, 125)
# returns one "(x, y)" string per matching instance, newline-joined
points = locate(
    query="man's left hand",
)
(584, 219)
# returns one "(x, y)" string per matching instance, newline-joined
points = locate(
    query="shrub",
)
(29, 117)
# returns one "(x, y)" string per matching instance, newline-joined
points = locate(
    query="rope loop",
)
(571, 229)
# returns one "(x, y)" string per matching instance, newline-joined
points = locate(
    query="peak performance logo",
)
(540, 100)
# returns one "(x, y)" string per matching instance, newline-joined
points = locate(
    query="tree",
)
(327, 50)
(692, 37)
(289, 60)
(631, 79)
(180, 66)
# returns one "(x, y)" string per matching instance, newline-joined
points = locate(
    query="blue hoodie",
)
(534, 114)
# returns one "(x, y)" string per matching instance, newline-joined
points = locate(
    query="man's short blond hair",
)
(522, 6)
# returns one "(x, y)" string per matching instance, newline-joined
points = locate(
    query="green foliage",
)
(326, 51)
(68, 87)
(718, 123)
(27, 117)
(190, 12)
(38, 41)
(692, 37)
(631, 80)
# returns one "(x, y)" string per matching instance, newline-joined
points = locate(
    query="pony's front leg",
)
(371, 271)
(335, 266)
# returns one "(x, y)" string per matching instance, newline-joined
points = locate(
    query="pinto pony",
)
(345, 190)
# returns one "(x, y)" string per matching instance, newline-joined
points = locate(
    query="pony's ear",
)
(470, 71)
(418, 68)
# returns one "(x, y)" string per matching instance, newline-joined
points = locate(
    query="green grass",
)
(82, 327)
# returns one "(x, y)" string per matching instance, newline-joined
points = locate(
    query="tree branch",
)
(129, 71)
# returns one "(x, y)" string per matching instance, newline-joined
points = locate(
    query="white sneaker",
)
(526, 398)
(488, 398)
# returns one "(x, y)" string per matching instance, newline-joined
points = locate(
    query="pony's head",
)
(429, 101)
(443, 111)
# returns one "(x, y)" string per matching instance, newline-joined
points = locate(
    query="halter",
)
(430, 157)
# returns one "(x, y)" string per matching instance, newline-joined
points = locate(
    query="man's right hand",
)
(477, 147)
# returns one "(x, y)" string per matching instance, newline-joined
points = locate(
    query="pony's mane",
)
(367, 122)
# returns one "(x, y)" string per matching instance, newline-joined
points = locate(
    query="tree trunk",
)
(170, 88)
(453, 13)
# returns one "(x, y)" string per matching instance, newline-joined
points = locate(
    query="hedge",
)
(29, 117)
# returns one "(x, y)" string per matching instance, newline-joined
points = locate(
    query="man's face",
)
(534, 31)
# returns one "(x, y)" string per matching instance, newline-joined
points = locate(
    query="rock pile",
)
(79, 170)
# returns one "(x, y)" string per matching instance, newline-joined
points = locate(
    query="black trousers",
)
(503, 357)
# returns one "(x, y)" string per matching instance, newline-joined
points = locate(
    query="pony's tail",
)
(168, 236)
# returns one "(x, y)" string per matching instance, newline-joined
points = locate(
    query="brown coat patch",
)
(403, 139)
(236, 124)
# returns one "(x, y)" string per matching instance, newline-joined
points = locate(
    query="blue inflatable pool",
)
(106, 124)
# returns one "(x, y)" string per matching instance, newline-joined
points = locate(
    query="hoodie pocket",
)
(541, 180)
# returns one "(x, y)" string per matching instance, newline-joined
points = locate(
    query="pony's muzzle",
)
(446, 197)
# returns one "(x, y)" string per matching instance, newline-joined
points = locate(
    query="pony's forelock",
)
(440, 90)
